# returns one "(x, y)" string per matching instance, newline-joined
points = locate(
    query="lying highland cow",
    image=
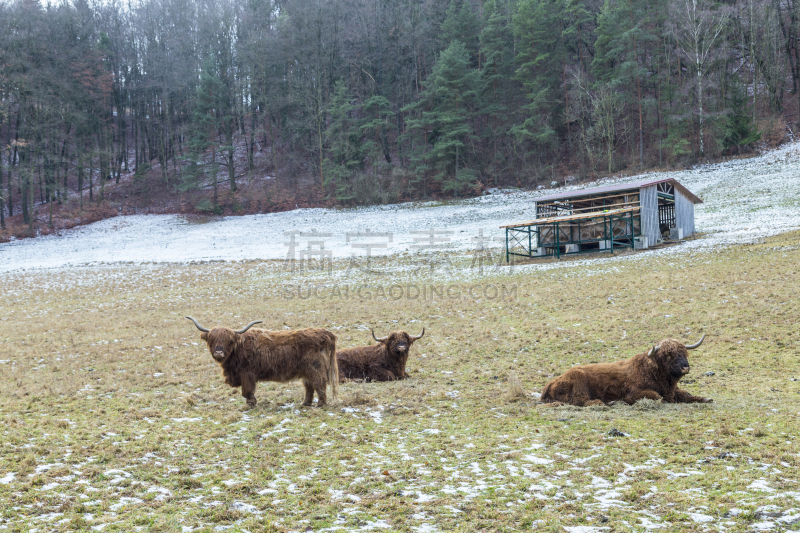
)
(247, 357)
(654, 375)
(385, 361)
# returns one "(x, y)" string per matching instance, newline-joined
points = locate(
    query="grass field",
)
(115, 417)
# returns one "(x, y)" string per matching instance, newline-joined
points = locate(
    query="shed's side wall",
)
(648, 200)
(684, 213)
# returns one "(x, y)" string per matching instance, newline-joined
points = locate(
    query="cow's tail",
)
(333, 370)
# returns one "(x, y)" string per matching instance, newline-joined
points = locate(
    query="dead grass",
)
(515, 391)
(115, 416)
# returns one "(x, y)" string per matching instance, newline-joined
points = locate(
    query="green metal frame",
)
(520, 240)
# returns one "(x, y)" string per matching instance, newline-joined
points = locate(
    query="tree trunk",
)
(252, 145)
(700, 106)
(64, 161)
(79, 157)
(455, 189)
(321, 176)
(8, 197)
(753, 63)
(24, 182)
(274, 149)
(103, 155)
(136, 127)
(12, 159)
(231, 152)
(214, 175)
(91, 185)
(29, 198)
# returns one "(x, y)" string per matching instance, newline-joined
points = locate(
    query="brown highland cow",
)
(654, 375)
(247, 357)
(385, 361)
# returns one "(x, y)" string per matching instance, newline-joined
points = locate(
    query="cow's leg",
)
(634, 396)
(681, 396)
(249, 391)
(317, 382)
(381, 374)
(309, 392)
(322, 397)
(579, 394)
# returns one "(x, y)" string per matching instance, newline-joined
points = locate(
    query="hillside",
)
(219, 107)
(744, 200)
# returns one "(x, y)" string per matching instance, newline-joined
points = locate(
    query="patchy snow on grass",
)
(245, 507)
(537, 460)
(760, 485)
(743, 200)
(701, 518)
(124, 502)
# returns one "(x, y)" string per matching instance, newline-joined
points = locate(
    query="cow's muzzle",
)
(218, 354)
(684, 370)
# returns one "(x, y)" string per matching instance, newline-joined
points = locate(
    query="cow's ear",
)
(204, 336)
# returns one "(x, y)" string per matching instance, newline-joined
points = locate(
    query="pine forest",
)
(226, 107)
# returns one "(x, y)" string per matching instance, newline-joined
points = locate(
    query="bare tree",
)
(697, 28)
(608, 107)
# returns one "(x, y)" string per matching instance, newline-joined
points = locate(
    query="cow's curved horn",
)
(201, 328)
(695, 345)
(376, 338)
(248, 326)
(653, 350)
(418, 336)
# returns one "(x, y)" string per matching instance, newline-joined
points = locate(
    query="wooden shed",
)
(633, 215)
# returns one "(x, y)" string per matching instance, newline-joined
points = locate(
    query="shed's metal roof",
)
(580, 193)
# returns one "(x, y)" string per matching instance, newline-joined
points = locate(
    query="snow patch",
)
(769, 182)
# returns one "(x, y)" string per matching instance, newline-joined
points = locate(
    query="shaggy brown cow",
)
(247, 357)
(654, 375)
(385, 361)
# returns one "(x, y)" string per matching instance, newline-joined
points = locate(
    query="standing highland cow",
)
(247, 357)
(654, 375)
(385, 361)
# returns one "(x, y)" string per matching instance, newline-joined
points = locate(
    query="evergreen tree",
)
(578, 26)
(739, 128)
(377, 111)
(497, 45)
(621, 40)
(207, 119)
(537, 26)
(462, 25)
(447, 105)
(342, 139)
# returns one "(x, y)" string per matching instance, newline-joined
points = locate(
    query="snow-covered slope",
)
(744, 200)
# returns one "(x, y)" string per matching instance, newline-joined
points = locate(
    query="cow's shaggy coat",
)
(653, 374)
(385, 361)
(252, 355)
